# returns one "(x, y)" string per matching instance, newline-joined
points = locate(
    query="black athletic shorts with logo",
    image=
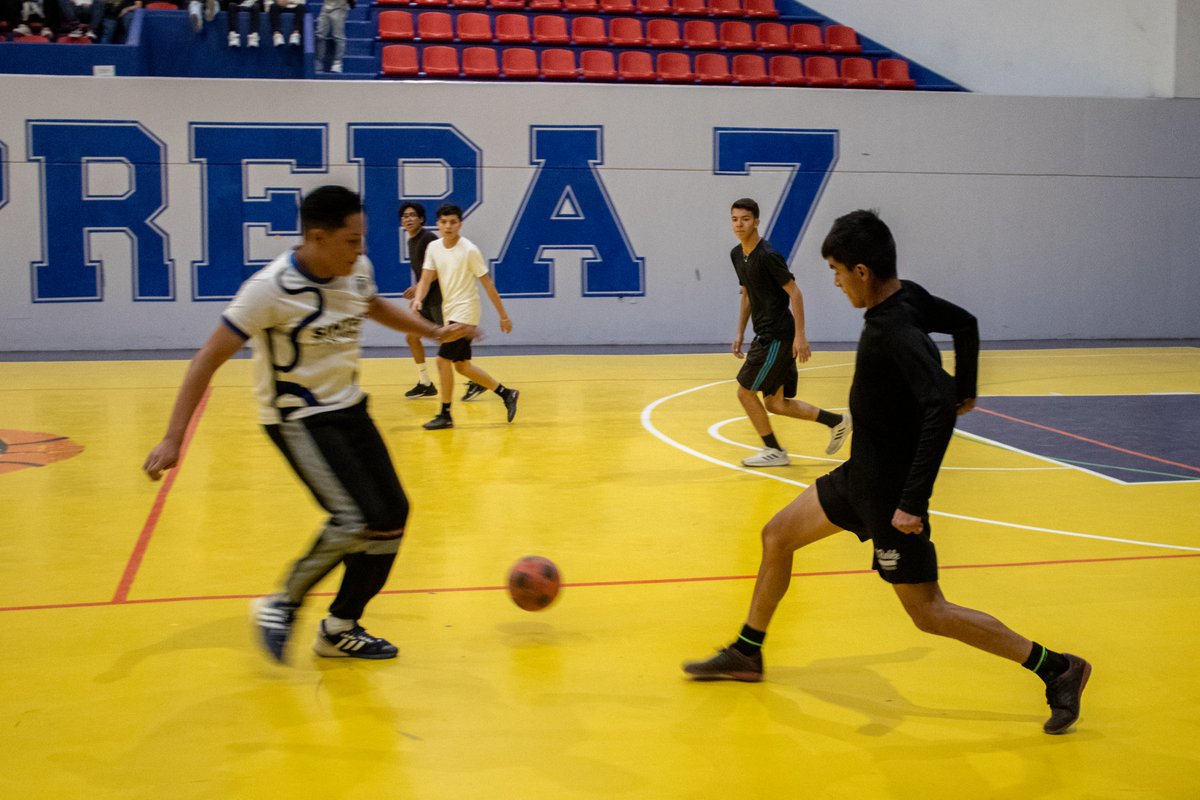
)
(899, 557)
(769, 365)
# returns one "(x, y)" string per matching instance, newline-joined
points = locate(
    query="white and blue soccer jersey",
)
(306, 335)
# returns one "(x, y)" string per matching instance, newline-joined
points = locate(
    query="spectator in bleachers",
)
(201, 12)
(276, 11)
(118, 17)
(332, 23)
(233, 9)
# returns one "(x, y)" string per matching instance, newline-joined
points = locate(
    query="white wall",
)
(1090, 48)
(1047, 217)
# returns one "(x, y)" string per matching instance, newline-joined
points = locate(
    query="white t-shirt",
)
(306, 335)
(458, 269)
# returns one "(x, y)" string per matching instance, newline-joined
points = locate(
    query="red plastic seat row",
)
(441, 61)
(714, 8)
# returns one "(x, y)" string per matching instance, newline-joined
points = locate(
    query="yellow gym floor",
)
(130, 670)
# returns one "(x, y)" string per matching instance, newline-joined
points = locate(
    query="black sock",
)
(827, 418)
(749, 641)
(500, 390)
(1045, 663)
(770, 441)
(445, 409)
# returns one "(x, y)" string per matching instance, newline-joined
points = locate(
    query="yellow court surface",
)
(131, 670)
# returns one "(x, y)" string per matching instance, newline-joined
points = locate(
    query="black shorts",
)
(769, 365)
(899, 557)
(433, 313)
(458, 350)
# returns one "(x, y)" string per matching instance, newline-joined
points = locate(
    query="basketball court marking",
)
(648, 423)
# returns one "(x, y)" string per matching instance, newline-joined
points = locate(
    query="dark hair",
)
(450, 210)
(327, 208)
(417, 208)
(746, 204)
(861, 237)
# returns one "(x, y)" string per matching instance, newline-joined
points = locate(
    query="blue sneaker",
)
(354, 643)
(274, 617)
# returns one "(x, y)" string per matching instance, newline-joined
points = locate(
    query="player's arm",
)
(427, 278)
(924, 378)
(800, 347)
(942, 316)
(219, 348)
(401, 319)
(743, 318)
(494, 296)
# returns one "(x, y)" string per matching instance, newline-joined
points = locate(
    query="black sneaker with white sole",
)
(510, 402)
(1064, 693)
(421, 390)
(440, 422)
(354, 643)
(473, 391)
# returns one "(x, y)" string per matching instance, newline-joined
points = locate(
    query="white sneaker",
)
(838, 434)
(337, 67)
(195, 16)
(252, 40)
(22, 30)
(767, 457)
(294, 39)
(234, 39)
(278, 39)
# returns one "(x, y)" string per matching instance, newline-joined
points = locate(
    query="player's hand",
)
(409, 293)
(737, 348)
(800, 350)
(164, 456)
(457, 330)
(505, 325)
(907, 523)
(966, 405)
(416, 306)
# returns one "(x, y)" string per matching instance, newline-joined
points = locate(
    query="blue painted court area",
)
(1151, 438)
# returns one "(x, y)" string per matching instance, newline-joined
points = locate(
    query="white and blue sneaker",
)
(838, 434)
(274, 618)
(354, 643)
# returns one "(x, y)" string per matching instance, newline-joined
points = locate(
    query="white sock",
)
(335, 625)
(423, 374)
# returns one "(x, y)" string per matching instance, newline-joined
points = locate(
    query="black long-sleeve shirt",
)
(904, 404)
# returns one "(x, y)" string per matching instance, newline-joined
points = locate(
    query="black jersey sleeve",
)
(935, 315)
(920, 368)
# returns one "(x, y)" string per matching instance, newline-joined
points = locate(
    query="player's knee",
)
(774, 403)
(461, 367)
(927, 617)
(387, 522)
(776, 537)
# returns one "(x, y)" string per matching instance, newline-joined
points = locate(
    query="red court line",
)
(1089, 441)
(584, 584)
(143, 542)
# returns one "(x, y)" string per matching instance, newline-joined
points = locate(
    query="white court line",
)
(648, 424)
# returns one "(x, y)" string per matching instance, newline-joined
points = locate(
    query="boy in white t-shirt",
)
(303, 315)
(459, 267)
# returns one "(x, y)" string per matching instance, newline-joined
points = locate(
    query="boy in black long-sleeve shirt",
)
(904, 405)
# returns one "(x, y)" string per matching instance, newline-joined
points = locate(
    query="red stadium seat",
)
(750, 70)
(654, 6)
(431, 2)
(689, 8)
(550, 29)
(504, 5)
(470, 3)
(663, 33)
(893, 74)
(435, 26)
(725, 8)
(700, 34)
(480, 62)
(545, 5)
(636, 65)
(81, 39)
(737, 35)
(713, 68)
(859, 73)
(675, 68)
(772, 36)
(588, 31)
(822, 71)
(399, 60)
(761, 8)
(618, 6)
(807, 38)
(598, 65)
(558, 64)
(439, 61)
(787, 71)
(474, 26)
(581, 6)
(518, 62)
(161, 7)
(842, 39)
(395, 26)
(626, 32)
(513, 29)
(31, 38)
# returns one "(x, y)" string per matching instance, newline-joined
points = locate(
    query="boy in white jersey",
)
(303, 315)
(457, 265)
